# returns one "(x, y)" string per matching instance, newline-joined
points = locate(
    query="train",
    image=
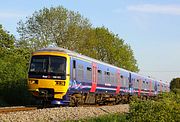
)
(58, 76)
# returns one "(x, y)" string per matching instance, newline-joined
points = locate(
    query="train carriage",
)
(61, 76)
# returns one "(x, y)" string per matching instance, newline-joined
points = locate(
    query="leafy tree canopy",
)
(105, 46)
(63, 28)
(13, 60)
(6, 40)
(54, 26)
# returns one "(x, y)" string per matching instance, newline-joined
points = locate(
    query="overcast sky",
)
(151, 28)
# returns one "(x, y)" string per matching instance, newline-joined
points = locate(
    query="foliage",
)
(107, 47)
(15, 93)
(13, 71)
(13, 80)
(165, 109)
(61, 27)
(13, 66)
(105, 118)
(175, 84)
(6, 40)
(54, 26)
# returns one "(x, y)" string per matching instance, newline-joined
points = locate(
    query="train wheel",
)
(118, 99)
(72, 101)
(76, 100)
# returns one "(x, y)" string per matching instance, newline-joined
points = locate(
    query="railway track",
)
(5, 110)
(16, 109)
(58, 113)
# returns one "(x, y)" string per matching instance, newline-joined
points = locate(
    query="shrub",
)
(165, 109)
(15, 93)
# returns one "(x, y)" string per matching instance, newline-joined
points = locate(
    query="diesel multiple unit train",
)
(62, 77)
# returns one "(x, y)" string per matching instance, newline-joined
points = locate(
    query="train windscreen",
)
(51, 67)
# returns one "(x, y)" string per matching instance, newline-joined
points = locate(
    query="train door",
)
(130, 84)
(161, 89)
(94, 77)
(139, 86)
(73, 70)
(118, 82)
(155, 87)
(150, 87)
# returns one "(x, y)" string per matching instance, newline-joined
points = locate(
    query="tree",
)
(63, 28)
(54, 26)
(12, 59)
(13, 70)
(175, 84)
(6, 40)
(108, 47)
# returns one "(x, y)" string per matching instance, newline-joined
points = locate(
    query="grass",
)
(105, 118)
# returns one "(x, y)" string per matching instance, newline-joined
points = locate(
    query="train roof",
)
(140, 75)
(77, 55)
(149, 78)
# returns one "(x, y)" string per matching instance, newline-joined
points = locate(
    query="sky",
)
(150, 27)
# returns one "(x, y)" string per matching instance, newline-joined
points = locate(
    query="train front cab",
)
(49, 74)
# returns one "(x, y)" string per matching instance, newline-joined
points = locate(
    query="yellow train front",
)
(49, 74)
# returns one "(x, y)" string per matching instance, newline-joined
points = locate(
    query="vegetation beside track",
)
(164, 109)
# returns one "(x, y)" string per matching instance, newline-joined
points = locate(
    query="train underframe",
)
(97, 99)
(45, 97)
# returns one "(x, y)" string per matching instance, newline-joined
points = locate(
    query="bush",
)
(176, 91)
(13, 77)
(15, 93)
(165, 109)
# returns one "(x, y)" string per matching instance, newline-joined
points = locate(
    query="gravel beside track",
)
(62, 113)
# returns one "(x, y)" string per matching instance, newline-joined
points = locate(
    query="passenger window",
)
(99, 71)
(144, 84)
(80, 73)
(122, 81)
(105, 77)
(117, 78)
(74, 64)
(108, 77)
(137, 83)
(89, 74)
(134, 83)
(99, 76)
(89, 68)
(126, 84)
(112, 77)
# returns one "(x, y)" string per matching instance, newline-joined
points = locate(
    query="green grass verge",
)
(105, 118)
